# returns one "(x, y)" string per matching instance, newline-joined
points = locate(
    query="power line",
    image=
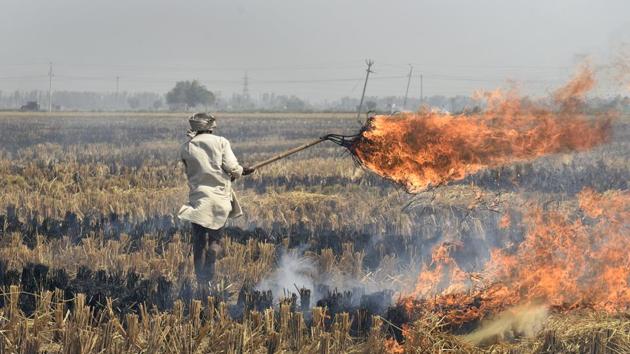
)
(23, 77)
(165, 80)
(187, 67)
(347, 64)
(472, 79)
(494, 67)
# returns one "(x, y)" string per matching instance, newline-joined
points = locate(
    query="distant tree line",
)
(84, 100)
(191, 95)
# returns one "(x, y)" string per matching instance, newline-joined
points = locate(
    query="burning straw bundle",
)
(428, 149)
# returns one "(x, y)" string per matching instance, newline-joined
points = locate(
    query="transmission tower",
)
(245, 87)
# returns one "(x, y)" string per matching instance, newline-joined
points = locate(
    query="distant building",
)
(30, 106)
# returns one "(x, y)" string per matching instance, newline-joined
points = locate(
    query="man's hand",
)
(248, 171)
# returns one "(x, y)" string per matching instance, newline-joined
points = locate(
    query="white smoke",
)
(292, 271)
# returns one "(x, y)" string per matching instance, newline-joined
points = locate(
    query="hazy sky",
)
(314, 49)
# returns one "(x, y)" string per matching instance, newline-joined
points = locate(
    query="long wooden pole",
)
(287, 153)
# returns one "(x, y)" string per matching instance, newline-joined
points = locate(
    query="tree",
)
(188, 94)
(211, 98)
(294, 104)
(134, 102)
(157, 104)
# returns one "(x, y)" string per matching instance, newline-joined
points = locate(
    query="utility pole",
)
(50, 76)
(368, 71)
(408, 83)
(421, 93)
(117, 88)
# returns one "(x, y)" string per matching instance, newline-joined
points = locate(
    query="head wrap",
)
(201, 122)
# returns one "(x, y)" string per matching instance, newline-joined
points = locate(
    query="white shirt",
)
(210, 166)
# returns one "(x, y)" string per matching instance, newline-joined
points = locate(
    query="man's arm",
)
(230, 164)
(182, 156)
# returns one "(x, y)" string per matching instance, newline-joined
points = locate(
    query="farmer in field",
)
(211, 167)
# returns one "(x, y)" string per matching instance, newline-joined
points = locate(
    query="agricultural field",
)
(328, 257)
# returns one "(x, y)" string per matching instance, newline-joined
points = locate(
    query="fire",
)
(432, 148)
(445, 276)
(565, 262)
(393, 347)
(505, 221)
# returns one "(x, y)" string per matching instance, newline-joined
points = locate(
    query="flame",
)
(505, 221)
(444, 275)
(393, 347)
(432, 148)
(571, 96)
(564, 261)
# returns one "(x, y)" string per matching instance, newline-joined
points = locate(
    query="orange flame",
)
(393, 347)
(564, 261)
(430, 148)
(505, 221)
(444, 275)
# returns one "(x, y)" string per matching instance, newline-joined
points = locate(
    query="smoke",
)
(296, 270)
(524, 320)
(292, 271)
(621, 67)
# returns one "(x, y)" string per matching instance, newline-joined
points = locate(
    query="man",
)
(211, 167)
